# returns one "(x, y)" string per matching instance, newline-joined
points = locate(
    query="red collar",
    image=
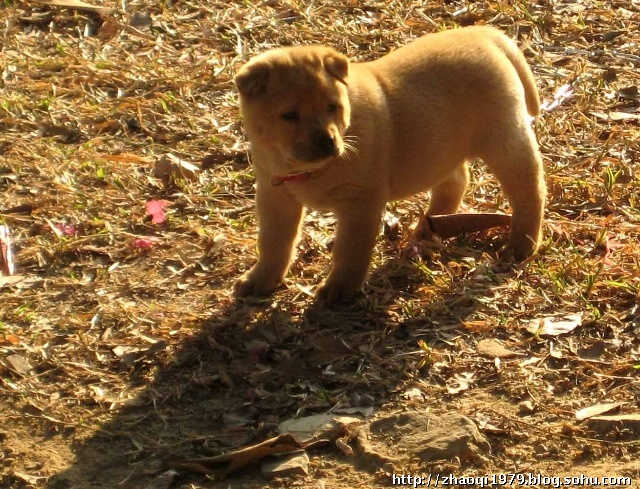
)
(293, 177)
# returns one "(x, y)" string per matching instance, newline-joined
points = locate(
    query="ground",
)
(121, 345)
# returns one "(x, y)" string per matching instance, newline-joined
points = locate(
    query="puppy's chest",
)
(327, 194)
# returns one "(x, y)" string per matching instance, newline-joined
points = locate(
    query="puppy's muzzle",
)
(320, 147)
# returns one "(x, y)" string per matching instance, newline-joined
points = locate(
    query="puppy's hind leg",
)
(446, 198)
(516, 162)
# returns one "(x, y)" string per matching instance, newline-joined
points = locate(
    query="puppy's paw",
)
(251, 285)
(521, 249)
(334, 293)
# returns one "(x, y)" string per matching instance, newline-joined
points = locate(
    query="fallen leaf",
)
(76, 4)
(109, 28)
(66, 229)
(494, 349)
(155, 209)
(448, 225)
(609, 246)
(479, 326)
(223, 465)
(127, 158)
(620, 422)
(555, 325)
(170, 167)
(596, 410)
(7, 263)
(29, 479)
(11, 339)
(21, 281)
(144, 243)
(315, 426)
(617, 116)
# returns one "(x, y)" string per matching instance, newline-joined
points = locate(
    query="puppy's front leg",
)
(356, 235)
(279, 218)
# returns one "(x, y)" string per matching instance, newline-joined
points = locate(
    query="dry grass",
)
(113, 356)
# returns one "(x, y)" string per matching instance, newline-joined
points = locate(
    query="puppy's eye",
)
(332, 108)
(291, 116)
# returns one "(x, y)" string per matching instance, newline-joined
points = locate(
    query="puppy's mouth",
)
(297, 166)
(300, 171)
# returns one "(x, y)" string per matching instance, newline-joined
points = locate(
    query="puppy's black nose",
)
(323, 143)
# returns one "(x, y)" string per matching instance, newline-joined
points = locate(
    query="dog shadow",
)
(253, 366)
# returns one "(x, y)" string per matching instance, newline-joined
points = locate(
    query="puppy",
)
(349, 137)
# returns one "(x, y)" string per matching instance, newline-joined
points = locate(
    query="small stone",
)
(293, 464)
(433, 437)
(140, 19)
(19, 363)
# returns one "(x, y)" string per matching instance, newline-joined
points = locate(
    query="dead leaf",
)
(21, 281)
(448, 225)
(596, 410)
(144, 243)
(609, 245)
(29, 479)
(170, 167)
(109, 28)
(223, 465)
(554, 326)
(617, 116)
(315, 426)
(66, 229)
(76, 4)
(627, 422)
(494, 349)
(7, 263)
(10, 338)
(127, 158)
(344, 447)
(480, 326)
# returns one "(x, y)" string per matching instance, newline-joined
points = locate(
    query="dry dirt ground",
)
(121, 346)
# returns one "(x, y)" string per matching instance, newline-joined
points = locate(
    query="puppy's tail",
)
(513, 54)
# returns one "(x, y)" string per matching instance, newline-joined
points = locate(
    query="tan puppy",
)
(345, 137)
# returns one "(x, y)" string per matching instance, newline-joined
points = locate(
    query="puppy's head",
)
(294, 101)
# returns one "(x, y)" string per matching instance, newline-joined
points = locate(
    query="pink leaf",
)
(155, 209)
(144, 243)
(609, 246)
(66, 229)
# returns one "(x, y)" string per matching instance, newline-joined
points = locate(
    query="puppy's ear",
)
(337, 65)
(252, 79)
